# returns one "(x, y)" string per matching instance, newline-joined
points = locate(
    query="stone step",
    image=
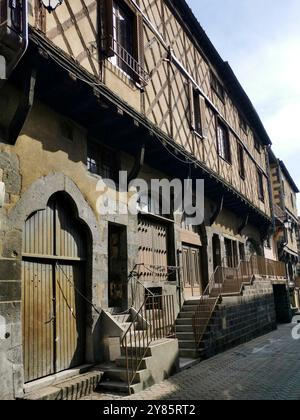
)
(184, 321)
(122, 362)
(119, 374)
(120, 387)
(185, 335)
(72, 389)
(192, 302)
(189, 353)
(187, 344)
(190, 315)
(184, 328)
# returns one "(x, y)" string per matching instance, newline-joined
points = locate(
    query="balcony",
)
(129, 64)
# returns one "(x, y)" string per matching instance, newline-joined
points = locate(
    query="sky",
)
(261, 41)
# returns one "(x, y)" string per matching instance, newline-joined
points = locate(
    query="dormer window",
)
(217, 87)
(243, 124)
(257, 144)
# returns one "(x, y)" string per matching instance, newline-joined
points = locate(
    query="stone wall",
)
(241, 319)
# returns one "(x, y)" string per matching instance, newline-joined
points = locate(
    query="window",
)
(223, 142)
(261, 192)
(293, 200)
(241, 161)
(124, 42)
(67, 130)
(197, 112)
(243, 124)
(283, 189)
(123, 24)
(257, 144)
(102, 161)
(217, 87)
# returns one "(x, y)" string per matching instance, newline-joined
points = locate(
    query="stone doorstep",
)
(56, 379)
(72, 389)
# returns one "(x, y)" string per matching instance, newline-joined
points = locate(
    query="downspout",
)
(25, 39)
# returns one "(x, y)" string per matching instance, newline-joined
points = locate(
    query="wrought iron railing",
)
(155, 320)
(128, 63)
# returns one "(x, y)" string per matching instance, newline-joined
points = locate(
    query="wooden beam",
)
(24, 108)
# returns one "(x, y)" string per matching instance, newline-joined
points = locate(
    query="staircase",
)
(148, 348)
(205, 308)
(115, 378)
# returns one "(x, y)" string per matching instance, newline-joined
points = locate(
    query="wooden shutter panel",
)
(204, 127)
(40, 16)
(139, 41)
(192, 106)
(109, 35)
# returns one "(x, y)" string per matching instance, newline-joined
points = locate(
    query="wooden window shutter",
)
(192, 106)
(204, 126)
(109, 32)
(140, 47)
(40, 16)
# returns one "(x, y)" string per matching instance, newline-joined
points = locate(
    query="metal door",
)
(53, 290)
(153, 250)
(191, 271)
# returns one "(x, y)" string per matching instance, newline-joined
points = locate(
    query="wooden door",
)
(153, 250)
(53, 290)
(191, 271)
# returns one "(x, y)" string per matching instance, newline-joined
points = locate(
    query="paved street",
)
(266, 368)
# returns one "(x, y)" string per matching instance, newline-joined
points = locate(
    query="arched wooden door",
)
(54, 255)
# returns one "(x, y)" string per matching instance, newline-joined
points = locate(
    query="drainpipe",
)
(25, 40)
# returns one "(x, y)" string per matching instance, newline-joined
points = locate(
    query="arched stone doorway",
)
(54, 259)
(34, 199)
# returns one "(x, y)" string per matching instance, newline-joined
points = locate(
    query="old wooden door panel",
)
(38, 320)
(69, 340)
(153, 250)
(191, 271)
(38, 235)
(53, 313)
(69, 241)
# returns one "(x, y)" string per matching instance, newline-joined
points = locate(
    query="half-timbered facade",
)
(102, 87)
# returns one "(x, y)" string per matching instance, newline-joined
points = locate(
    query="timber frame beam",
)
(24, 108)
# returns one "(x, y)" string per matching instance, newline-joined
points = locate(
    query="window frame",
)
(241, 161)
(257, 145)
(261, 190)
(227, 159)
(99, 151)
(217, 86)
(243, 124)
(137, 73)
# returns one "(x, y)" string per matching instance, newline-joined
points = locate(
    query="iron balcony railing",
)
(128, 63)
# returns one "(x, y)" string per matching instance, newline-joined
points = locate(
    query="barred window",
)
(102, 161)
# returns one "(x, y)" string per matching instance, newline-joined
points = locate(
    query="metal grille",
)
(128, 63)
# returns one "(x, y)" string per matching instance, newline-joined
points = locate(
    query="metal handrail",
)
(244, 273)
(155, 320)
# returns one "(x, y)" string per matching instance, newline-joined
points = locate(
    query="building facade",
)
(284, 243)
(103, 87)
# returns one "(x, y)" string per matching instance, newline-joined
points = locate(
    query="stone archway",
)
(35, 199)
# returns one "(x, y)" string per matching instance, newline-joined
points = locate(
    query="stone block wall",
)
(241, 319)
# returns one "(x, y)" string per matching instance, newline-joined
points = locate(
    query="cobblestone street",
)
(266, 368)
